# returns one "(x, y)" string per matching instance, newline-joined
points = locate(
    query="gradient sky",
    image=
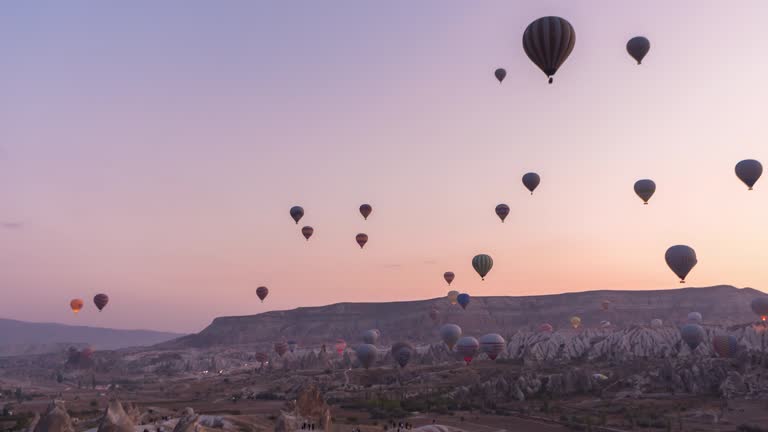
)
(151, 150)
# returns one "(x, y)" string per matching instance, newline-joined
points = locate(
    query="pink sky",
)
(152, 152)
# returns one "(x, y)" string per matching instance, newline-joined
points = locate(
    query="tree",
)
(59, 378)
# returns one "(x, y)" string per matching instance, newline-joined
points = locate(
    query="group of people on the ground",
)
(307, 426)
(399, 426)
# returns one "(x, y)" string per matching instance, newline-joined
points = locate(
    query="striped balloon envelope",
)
(281, 348)
(467, 348)
(492, 345)
(725, 345)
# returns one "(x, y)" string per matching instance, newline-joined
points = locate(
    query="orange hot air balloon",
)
(100, 300)
(262, 292)
(76, 305)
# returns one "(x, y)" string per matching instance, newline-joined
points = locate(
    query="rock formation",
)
(55, 419)
(116, 419)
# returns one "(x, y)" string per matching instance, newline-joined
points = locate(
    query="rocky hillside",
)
(722, 305)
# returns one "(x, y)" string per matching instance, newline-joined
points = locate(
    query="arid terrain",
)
(624, 375)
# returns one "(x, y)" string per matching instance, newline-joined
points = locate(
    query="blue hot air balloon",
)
(463, 300)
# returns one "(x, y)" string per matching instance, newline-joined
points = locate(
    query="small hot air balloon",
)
(366, 210)
(76, 305)
(575, 322)
(452, 295)
(500, 74)
(759, 306)
(605, 304)
(492, 345)
(482, 264)
(340, 345)
(262, 292)
(681, 259)
(502, 211)
(548, 42)
(370, 337)
(361, 239)
(725, 346)
(467, 347)
(645, 189)
(307, 232)
(261, 357)
(531, 181)
(100, 300)
(281, 348)
(366, 354)
(695, 317)
(292, 345)
(638, 47)
(692, 335)
(449, 276)
(605, 324)
(450, 333)
(546, 328)
(434, 314)
(656, 323)
(463, 300)
(749, 171)
(402, 352)
(297, 213)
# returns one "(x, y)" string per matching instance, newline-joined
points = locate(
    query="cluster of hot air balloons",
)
(99, 300)
(467, 347)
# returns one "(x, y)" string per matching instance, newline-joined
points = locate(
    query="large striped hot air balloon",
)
(281, 347)
(262, 293)
(450, 333)
(548, 42)
(100, 300)
(492, 345)
(467, 347)
(296, 213)
(76, 305)
(681, 259)
(725, 345)
(482, 264)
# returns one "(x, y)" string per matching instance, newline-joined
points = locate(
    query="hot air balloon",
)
(434, 314)
(281, 348)
(502, 211)
(450, 333)
(575, 322)
(292, 345)
(370, 337)
(692, 335)
(261, 357)
(492, 345)
(449, 276)
(366, 210)
(463, 300)
(725, 345)
(605, 304)
(262, 292)
(681, 259)
(605, 324)
(482, 264)
(366, 354)
(645, 189)
(361, 239)
(76, 305)
(340, 345)
(695, 317)
(467, 347)
(749, 171)
(452, 295)
(547, 42)
(500, 74)
(638, 47)
(531, 181)
(87, 352)
(297, 213)
(759, 306)
(100, 300)
(656, 323)
(546, 327)
(307, 232)
(402, 352)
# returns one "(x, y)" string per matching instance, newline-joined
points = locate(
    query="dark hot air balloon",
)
(402, 352)
(638, 47)
(482, 264)
(366, 210)
(759, 306)
(450, 333)
(340, 345)
(307, 232)
(502, 211)
(76, 305)
(366, 355)
(361, 239)
(531, 181)
(449, 276)
(297, 213)
(548, 42)
(681, 259)
(500, 74)
(463, 300)
(492, 345)
(749, 171)
(281, 348)
(467, 347)
(645, 189)
(725, 346)
(262, 293)
(100, 300)
(692, 335)
(695, 317)
(370, 336)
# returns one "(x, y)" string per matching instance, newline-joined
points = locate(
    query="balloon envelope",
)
(692, 335)
(307, 232)
(366, 210)
(340, 345)
(759, 306)
(281, 348)
(366, 354)
(292, 345)
(463, 300)
(695, 317)
(725, 345)
(482, 264)
(656, 323)
(500, 74)
(402, 352)
(492, 345)
(76, 305)
(502, 211)
(546, 327)
(467, 347)
(681, 259)
(638, 47)
(434, 314)
(645, 189)
(100, 300)
(261, 357)
(548, 42)
(450, 333)
(262, 292)
(296, 213)
(452, 296)
(749, 171)
(361, 239)
(449, 276)
(370, 337)
(575, 322)
(531, 181)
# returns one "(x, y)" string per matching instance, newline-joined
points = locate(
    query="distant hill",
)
(505, 315)
(19, 337)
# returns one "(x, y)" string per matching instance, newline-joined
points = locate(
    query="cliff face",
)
(721, 305)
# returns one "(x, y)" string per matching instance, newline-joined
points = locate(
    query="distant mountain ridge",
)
(20, 337)
(410, 320)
